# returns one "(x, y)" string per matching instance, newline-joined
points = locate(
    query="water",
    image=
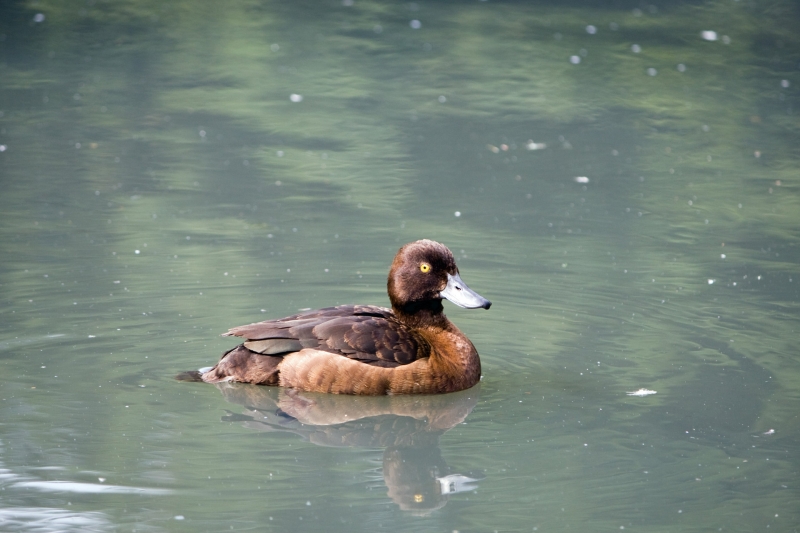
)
(621, 186)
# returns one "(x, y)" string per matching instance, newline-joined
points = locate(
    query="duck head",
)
(425, 272)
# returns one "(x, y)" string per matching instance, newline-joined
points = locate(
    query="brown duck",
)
(411, 348)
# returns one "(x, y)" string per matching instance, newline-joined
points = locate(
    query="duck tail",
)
(238, 365)
(245, 366)
(192, 376)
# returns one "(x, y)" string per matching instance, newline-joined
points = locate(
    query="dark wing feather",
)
(274, 346)
(367, 333)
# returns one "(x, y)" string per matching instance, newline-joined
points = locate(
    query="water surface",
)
(620, 179)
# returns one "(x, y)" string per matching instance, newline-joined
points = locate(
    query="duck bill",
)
(457, 292)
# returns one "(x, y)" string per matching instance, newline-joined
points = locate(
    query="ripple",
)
(87, 488)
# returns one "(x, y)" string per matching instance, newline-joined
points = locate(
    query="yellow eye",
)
(425, 267)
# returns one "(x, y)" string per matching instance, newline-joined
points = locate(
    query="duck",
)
(410, 348)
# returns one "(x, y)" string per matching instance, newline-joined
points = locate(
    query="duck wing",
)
(367, 333)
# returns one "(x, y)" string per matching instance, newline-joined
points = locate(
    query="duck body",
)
(412, 348)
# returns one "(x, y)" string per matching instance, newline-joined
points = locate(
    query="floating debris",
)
(530, 145)
(641, 392)
(770, 432)
(581, 179)
(709, 35)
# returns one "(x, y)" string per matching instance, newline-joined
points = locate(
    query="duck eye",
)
(425, 267)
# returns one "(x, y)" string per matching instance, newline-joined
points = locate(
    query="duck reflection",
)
(406, 427)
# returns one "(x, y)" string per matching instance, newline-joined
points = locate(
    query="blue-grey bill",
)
(457, 292)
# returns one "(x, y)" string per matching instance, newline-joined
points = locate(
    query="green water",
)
(161, 183)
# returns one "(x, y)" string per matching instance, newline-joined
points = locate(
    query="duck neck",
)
(425, 313)
(454, 362)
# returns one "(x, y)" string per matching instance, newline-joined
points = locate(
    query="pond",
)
(619, 178)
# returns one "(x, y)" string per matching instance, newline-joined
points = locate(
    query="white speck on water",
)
(641, 392)
(179, 517)
(681, 67)
(275, 47)
(785, 84)
(591, 30)
(575, 59)
(415, 24)
(636, 48)
(457, 214)
(709, 35)
(651, 71)
(3, 147)
(137, 252)
(294, 97)
(711, 281)
(442, 99)
(38, 17)
(723, 256)
(581, 179)
(530, 145)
